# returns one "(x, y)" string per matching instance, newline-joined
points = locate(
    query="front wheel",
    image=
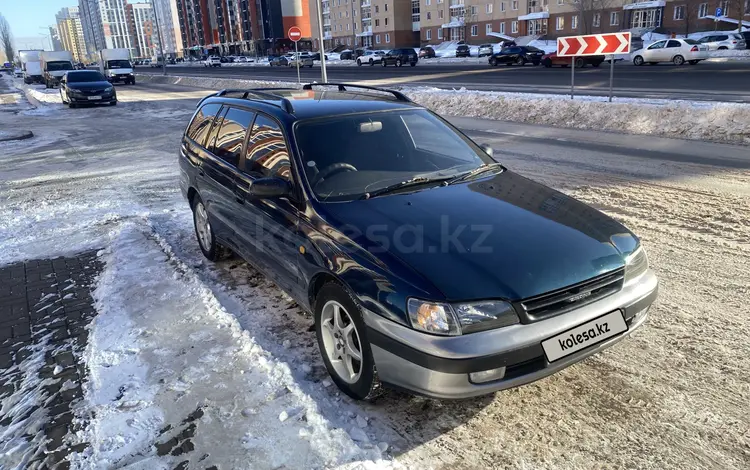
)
(638, 60)
(678, 60)
(398, 62)
(493, 62)
(520, 61)
(384, 63)
(359, 63)
(343, 343)
(371, 63)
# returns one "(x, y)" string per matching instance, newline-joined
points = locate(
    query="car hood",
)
(89, 85)
(499, 237)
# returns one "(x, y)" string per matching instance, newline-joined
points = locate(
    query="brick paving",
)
(45, 306)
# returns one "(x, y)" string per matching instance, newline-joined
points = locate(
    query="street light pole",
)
(161, 45)
(323, 74)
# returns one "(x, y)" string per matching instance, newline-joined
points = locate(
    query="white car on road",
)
(720, 42)
(212, 61)
(677, 51)
(370, 57)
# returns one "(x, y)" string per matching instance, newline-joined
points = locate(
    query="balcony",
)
(536, 13)
(366, 4)
(457, 4)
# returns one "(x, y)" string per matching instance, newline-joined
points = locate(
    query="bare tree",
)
(691, 16)
(737, 9)
(586, 11)
(6, 38)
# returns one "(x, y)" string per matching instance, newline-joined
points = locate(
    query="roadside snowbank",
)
(701, 120)
(40, 93)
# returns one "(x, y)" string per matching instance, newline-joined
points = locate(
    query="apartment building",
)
(70, 33)
(142, 30)
(478, 21)
(380, 24)
(169, 27)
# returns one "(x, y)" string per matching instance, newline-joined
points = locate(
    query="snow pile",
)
(211, 82)
(667, 118)
(162, 343)
(40, 93)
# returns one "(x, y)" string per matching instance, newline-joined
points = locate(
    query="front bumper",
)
(81, 98)
(439, 366)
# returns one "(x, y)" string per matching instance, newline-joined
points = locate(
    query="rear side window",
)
(198, 129)
(267, 153)
(232, 134)
(673, 44)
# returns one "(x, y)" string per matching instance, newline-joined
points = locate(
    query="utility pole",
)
(161, 45)
(323, 74)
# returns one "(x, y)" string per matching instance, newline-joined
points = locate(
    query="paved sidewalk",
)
(45, 306)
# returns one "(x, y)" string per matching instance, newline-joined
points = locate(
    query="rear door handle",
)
(201, 172)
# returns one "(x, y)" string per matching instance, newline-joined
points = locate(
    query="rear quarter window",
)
(198, 129)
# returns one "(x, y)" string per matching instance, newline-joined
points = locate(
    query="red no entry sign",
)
(593, 44)
(295, 34)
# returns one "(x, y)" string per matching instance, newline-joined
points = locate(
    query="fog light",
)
(487, 375)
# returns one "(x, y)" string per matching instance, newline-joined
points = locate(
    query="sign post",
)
(321, 48)
(295, 34)
(590, 45)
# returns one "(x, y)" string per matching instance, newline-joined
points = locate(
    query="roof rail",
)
(343, 87)
(261, 93)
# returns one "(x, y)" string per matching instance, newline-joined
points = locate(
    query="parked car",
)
(548, 60)
(463, 50)
(316, 56)
(370, 57)
(146, 62)
(746, 36)
(281, 61)
(303, 60)
(358, 52)
(399, 57)
(540, 281)
(18, 73)
(80, 87)
(346, 55)
(212, 61)
(242, 59)
(724, 41)
(426, 52)
(486, 50)
(677, 51)
(519, 55)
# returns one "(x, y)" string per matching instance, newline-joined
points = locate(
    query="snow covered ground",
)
(176, 334)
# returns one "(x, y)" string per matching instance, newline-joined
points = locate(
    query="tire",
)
(359, 63)
(547, 63)
(520, 61)
(580, 63)
(638, 60)
(214, 251)
(723, 48)
(113, 103)
(678, 60)
(493, 61)
(413, 64)
(398, 63)
(311, 65)
(385, 64)
(693, 62)
(72, 105)
(331, 298)
(371, 63)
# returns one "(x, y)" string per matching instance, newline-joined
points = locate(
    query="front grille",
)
(572, 297)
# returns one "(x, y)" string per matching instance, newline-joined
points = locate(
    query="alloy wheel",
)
(341, 342)
(203, 226)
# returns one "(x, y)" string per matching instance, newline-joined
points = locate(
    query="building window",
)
(377, 9)
(560, 2)
(502, 27)
(440, 14)
(377, 22)
(386, 22)
(440, 1)
(702, 10)
(377, 39)
(574, 22)
(514, 5)
(348, 41)
(354, 13)
(347, 13)
(724, 7)
(474, 30)
(488, 28)
(679, 12)
(427, 2)
(386, 9)
(347, 26)
(614, 18)
(428, 33)
(473, 9)
(340, 14)
(488, 8)
(560, 23)
(502, 6)
(355, 26)
(429, 15)
(440, 31)
(514, 26)
(597, 20)
(387, 38)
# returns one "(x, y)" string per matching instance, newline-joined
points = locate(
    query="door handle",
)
(239, 199)
(201, 172)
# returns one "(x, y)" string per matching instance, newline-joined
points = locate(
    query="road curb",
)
(21, 135)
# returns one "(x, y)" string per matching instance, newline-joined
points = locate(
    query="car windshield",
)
(119, 64)
(54, 66)
(91, 76)
(380, 150)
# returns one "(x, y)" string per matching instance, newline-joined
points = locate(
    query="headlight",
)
(485, 315)
(432, 317)
(636, 264)
(108, 89)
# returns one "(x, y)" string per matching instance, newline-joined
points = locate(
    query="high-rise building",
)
(241, 26)
(70, 32)
(142, 29)
(169, 26)
(93, 28)
(381, 24)
(105, 24)
(54, 35)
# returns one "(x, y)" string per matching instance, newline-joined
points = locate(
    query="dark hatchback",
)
(399, 57)
(463, 50)
(85, 87)
(426, 264)
(519, 55)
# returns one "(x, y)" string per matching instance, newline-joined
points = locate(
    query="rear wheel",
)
(343, 344)
(678, 60)
(384, 63)
(580, 63)
(206, 240)
(520, 61)
(493, 61)
(371, 63)
(547, 63)
(723, 48)
(398, 62)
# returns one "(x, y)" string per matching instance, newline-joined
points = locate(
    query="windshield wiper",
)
(416, 181)
(476, 171)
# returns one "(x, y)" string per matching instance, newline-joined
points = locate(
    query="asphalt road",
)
(712, 81)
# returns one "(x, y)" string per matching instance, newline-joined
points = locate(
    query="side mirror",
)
(488, 150)
(266, 188)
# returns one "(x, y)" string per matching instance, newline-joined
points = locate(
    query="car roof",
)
(311, 104)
